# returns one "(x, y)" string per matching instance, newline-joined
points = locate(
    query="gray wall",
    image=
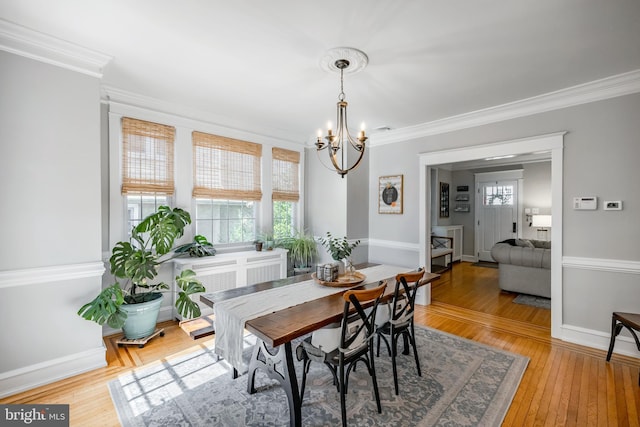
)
(50, 190)
(600, 159)
(335, 204)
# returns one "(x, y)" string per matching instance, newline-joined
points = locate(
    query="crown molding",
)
(31, 44)
(597, 90)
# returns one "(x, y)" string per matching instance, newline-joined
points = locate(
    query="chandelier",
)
(340, 143)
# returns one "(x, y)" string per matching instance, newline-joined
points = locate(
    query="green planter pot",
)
(141, 318)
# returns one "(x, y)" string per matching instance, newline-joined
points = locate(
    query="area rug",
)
(462, 383)
(534, 301)
(485, 264)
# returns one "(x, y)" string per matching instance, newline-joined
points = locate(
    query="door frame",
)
(554, 143)
(509, 175)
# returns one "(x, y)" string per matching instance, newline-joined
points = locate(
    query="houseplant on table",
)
(133, 301)
(302, 250)
(340, 249)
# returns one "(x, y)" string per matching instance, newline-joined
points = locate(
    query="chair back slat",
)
(359, 328)
(404, 296)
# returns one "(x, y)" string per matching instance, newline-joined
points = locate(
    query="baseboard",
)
(29, 377)
(596, 339)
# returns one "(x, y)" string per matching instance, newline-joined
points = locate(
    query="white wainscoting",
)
(45, 372)
(594, 338)
(32, 376)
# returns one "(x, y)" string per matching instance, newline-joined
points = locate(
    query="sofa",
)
(524, 266)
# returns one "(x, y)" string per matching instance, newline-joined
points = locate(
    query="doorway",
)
(551, 142)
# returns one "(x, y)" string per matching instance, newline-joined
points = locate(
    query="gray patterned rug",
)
(532, 300)
(463, 383)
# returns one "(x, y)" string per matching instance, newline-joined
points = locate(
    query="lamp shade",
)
(541, 221)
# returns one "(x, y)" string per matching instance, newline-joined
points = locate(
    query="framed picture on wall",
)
(390, 198)
(444, 200)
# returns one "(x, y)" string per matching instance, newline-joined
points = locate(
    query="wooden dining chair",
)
(631, 321)
(400, 322)
(355, 344)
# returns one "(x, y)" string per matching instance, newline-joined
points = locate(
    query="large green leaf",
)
(121, 252)
(141, 266)
(164, 227)
(189, 285)
(200, 247)
(179, 217)
(163, 235)
(106, 307)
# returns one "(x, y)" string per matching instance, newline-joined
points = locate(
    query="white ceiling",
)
(254, 64)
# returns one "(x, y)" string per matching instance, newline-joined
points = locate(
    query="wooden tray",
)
(343, 281)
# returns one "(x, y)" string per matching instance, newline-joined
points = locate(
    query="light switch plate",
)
(612, 205)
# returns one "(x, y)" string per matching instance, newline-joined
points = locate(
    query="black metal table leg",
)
(278, 366)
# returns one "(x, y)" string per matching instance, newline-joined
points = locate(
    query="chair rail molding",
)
(392, 244)
(30, 276)
(601, 264)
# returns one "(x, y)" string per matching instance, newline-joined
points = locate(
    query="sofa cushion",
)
(504, 253)
(524, 243)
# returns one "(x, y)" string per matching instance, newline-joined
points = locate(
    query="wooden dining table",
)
(275, 332)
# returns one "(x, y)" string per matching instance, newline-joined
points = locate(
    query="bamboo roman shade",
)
(286, 179)
(225, 168)
(147, 157)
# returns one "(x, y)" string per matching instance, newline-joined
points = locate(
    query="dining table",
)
(279, 312)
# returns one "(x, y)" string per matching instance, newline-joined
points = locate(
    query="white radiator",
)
(231, 270)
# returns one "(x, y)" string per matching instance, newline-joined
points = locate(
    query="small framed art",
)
(390, 198)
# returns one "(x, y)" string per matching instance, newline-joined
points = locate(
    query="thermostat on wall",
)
(585, 203)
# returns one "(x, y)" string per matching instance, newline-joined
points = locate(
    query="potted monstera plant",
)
(133, 301)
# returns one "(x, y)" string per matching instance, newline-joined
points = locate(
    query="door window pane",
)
(498, 195)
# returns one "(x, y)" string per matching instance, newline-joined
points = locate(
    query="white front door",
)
(497, 214)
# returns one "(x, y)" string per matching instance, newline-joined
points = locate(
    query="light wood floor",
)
(564, 384)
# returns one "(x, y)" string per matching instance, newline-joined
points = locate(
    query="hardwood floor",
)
(476, 288)
(564, 384)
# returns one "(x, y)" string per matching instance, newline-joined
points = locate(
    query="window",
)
(284, 219)
(286, 182)
(139, 206)
(498, 195)
(226, 221)
(226, 176)
(147, 167)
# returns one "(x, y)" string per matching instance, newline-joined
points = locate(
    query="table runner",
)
(232, 314)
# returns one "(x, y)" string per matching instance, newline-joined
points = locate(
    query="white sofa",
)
(524, 266)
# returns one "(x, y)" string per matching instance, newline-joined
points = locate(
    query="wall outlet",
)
(615, 205)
